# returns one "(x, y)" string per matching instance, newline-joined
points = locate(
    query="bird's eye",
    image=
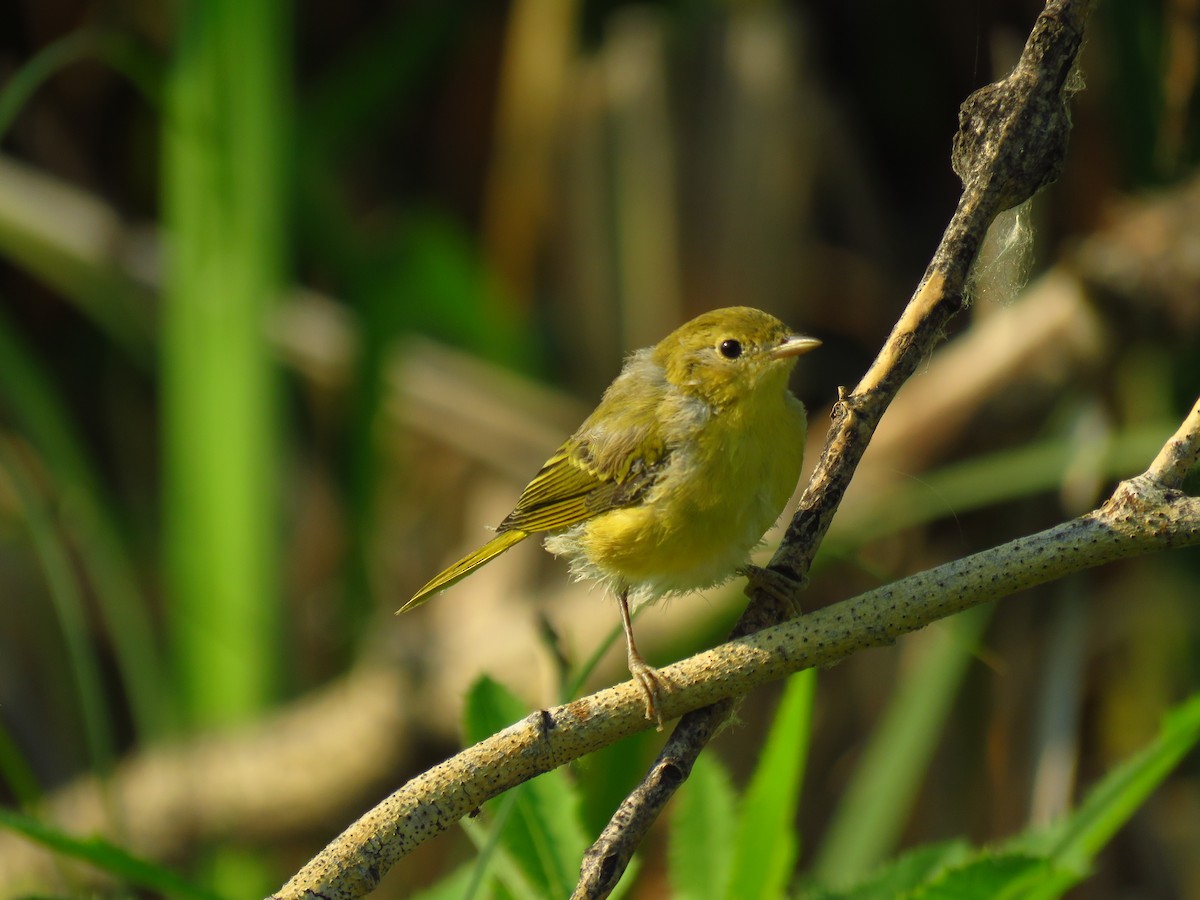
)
(730, 349)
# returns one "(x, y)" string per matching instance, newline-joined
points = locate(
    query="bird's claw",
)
(778, 586)
(653, 686)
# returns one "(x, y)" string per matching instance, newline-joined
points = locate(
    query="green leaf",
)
(543, 834)
(949, 871)
(494, 861)
(987, 877)
(16, 772)
(605, 777)
(1041, 863)
(105, 856)
(766, 843)
(1110, 804)
(1072, 845)
(700, 852)
(898, 876)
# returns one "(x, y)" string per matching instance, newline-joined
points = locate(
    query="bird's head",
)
(729, 355)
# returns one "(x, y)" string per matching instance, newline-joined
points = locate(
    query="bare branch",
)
(1180, 454)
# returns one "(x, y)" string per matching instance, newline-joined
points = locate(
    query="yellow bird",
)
(672, 481)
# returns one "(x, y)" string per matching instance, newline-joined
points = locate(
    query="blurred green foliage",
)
(204, 515)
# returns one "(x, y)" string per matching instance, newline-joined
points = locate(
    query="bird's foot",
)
(653, 686)
(785, 591)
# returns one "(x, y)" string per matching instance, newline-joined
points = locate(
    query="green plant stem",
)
(90, 514)
(224, 135)
(67, 598)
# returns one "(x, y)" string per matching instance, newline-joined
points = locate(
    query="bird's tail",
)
(465, 566)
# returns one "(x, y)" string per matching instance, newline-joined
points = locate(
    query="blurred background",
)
(295, 298)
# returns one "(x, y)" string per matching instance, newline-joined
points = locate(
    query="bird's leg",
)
(782, 589)
(647, 677)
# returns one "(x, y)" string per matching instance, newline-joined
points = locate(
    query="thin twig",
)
(1180, 454)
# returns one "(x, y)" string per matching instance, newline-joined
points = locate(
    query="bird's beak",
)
(794, 345)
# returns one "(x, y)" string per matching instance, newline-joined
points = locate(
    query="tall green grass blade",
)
(224, 137)
(584, 671)
(1073, 845)
(878, 800)
(700, 848)
(129, 869)
(15, 770)
(766, 843)
(104, 294)
(607, 776)
(495, 862)
(35, 406)
(543, 834)
(1123, 791)
(67, 598)
(117, 50)
(489, 852)
(1044, 863)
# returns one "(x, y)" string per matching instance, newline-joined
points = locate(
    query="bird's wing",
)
(594, 471)
(588, 477)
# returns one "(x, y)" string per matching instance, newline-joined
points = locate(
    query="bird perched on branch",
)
(670, 483)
